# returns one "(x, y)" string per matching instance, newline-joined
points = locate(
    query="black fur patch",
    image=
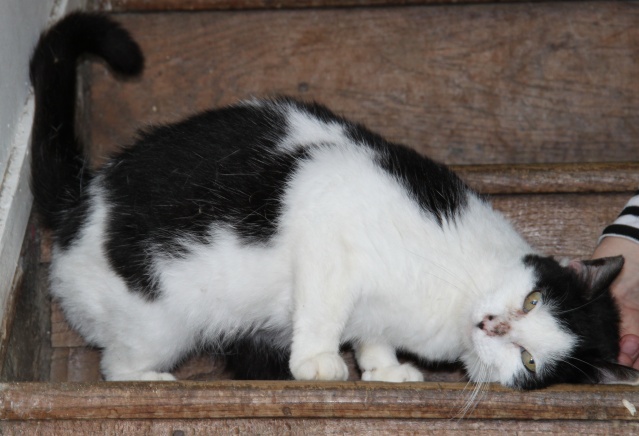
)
(179, 179)
(437, 189)
(255, 358)
(218, 167)
(594, 321)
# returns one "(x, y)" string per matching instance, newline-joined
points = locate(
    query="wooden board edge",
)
(292, 399)
(560, 178)
(221, 5)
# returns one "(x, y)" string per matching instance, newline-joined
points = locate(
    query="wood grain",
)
(552, 82)
(198, 5)
(551, 178)
(561, 225)
(26, 328)
(77, 364)
(225, 399)
(325, 426)
(61, 333)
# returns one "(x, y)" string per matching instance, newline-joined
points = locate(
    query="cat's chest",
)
(433, 324)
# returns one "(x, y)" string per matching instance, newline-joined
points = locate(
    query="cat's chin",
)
(489, 360)
(478, 371)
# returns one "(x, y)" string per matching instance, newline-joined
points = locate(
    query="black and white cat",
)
(280, 224)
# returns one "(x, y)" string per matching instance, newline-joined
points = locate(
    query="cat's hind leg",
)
(120, 363)
(378, 362)
(145, 350)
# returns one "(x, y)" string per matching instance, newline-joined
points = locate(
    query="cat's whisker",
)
(592, 300)
(485, 374)
(579, 369)
(472, 280)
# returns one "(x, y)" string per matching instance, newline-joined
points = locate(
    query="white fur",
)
(355, 259)
(304, 129)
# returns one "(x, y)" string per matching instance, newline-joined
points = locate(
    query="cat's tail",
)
(59, 168)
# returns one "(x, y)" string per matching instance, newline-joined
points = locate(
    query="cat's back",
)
(264, 173)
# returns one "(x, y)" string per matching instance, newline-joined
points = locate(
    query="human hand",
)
(625, 290)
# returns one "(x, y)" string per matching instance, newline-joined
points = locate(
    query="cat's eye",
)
(528, 361)
(532, 300)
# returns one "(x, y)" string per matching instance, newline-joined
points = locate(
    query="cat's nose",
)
(483, 322)
(494, 325)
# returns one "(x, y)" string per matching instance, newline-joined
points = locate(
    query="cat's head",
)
(549, 324)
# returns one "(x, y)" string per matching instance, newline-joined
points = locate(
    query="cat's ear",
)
(597, 274)
(614, 374)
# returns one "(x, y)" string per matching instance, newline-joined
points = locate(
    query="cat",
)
(277, 225)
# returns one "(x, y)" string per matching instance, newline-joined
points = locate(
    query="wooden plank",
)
(6, 322)
(199, 5)
(77, 364)
(59, 370)
(62, 335)
(551, 178)
(293, 426)
(25, 332)
(455, 83)
(226, 399)
(566, 225)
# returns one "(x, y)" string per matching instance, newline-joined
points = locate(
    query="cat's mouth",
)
(493, 358)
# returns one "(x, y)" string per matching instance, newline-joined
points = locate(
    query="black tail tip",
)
(92, 33)
(120, 50)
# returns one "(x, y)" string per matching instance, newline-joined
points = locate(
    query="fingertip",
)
(629, 351)
(625, 360)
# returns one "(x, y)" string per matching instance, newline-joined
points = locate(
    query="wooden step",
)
(551, 178)
(444, 80)
(535, 104)
(207, 5)
(312, 408)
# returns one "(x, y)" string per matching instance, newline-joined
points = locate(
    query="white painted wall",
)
(21, 21)
(20, 25)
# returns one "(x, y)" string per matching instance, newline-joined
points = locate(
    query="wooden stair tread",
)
(532, 91)
(226, 399)
(551, 178)
(200, 5)
(318, 426)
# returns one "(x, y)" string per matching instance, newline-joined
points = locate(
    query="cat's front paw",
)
(397, 374)
(324, 366)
